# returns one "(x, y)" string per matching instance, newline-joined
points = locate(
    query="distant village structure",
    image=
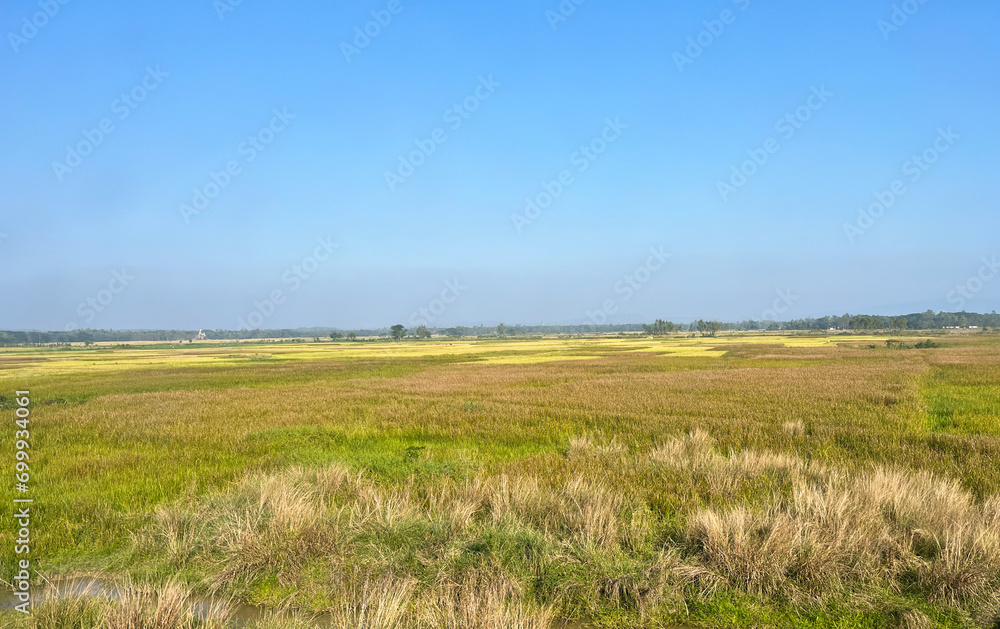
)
(200, 336)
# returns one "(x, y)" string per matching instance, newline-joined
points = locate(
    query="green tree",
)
(423, 333)
(351, 336)
(398, 331)
(501, 330)
(867, 322)
(336, 336)
(659, 327)
(711, 328)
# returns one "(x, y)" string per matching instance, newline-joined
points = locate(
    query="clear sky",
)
(632, 123)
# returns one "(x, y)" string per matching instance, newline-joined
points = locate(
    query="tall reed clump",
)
(833, 532)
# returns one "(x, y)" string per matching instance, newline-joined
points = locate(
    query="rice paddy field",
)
(738, 481)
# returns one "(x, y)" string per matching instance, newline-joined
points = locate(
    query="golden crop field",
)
(789, 481)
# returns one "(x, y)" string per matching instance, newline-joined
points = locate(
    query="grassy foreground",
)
(738, 481)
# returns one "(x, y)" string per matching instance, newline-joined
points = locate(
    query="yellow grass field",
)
(788, 481)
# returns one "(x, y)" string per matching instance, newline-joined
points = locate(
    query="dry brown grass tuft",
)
(75, 612)
(333, 479)
(266, 522)
(835, 529)
(383, 508)
(754, 550)
(176, 531)
(481, 602)
(914, 619)
(367, 602)
(585, 448)
(694, 452)
(166, 607)
(276, 620)
(796, 428)
(459, 505)
(583, 510)
(286, 504)
(965, 566)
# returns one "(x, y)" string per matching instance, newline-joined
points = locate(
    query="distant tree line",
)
(928, 320)
(707, 328)
(31, 337)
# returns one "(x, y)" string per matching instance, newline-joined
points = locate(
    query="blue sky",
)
(611, 77)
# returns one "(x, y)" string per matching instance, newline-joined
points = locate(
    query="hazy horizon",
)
(611, 322)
